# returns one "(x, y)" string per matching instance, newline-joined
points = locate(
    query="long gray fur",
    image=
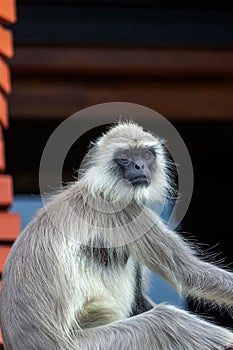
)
(70, 284)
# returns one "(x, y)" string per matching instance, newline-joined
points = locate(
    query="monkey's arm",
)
(163, 327)
(166, 253)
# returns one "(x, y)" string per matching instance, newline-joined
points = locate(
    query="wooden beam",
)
(173, 99)
(127, 62)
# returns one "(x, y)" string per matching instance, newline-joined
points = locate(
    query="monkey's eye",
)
(147, 155)
(123, 157)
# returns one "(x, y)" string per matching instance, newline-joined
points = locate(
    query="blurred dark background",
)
(175, 57)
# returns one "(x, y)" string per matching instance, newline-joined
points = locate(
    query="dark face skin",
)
(136, 165)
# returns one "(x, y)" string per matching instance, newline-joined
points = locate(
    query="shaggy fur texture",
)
(74, 279)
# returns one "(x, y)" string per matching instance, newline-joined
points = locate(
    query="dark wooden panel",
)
(220, 4)
(179, 100)
(127, 62)
(55, 82)
(119, 23)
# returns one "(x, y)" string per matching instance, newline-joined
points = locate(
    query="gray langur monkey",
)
(74, 279)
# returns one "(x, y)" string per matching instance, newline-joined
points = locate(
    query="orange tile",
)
(10, 225)
(8, 11)
(4, 251)
(6, 191)
(2, 152)
(3, 111)
(5, 77)
(6, 42)
(1, 341)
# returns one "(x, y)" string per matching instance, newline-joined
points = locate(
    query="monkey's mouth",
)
(140, 181)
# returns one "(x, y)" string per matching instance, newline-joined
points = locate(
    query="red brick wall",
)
(9, 222)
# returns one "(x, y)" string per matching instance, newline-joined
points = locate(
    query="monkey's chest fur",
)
(113, 280)
(116, 280)
(118, 289)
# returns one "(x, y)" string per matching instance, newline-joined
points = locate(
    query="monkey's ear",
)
(92, 144)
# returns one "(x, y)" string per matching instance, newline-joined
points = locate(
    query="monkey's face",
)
(128, 163)
(136, 165)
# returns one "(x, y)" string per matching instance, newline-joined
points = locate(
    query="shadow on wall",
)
(159, 290)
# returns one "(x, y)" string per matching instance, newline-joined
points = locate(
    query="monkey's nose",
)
(138, 166)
